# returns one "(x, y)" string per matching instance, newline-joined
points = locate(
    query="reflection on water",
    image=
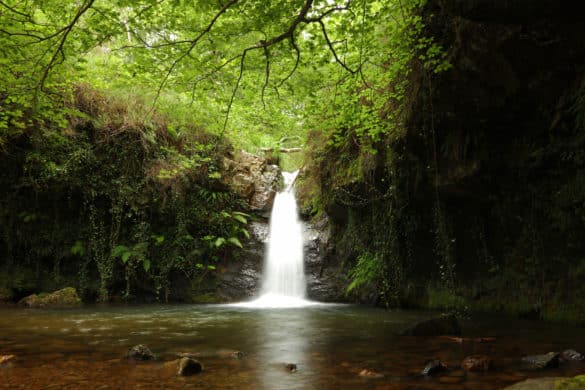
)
(330, 345)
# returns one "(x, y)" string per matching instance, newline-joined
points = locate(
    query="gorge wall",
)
(480, 203)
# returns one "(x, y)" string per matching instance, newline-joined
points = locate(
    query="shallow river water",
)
(330, 344)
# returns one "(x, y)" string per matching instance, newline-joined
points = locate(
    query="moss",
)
(66, 297)
(575, 383)
(207, 298)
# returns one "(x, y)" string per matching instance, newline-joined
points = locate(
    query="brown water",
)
(329, 344)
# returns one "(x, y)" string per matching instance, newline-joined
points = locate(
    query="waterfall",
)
(284, 274)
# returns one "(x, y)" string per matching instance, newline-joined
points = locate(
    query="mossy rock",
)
(207, 298)
(66, 297)
(553, 383)
(575, 383)
(5, 295)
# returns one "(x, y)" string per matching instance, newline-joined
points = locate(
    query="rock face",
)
(448, 325)
(241, 279)
(140, 352)
(253, 179)
(326, 280)
(66, 297)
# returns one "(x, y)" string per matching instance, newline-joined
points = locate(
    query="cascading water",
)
(284, 276)
(284, 271)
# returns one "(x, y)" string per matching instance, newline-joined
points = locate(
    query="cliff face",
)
(485, 202)
(509, 171)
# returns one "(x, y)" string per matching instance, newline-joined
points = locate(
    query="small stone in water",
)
(188, 367)
(237, 354)
(548, 360)
(433, 367)
(290, 367)
(477, 363)
(370, 374)
(140, 352)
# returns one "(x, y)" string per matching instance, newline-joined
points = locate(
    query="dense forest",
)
(440, 147)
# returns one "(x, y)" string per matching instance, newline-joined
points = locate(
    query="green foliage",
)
(367, 270)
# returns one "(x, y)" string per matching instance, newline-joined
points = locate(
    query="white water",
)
(284, 274)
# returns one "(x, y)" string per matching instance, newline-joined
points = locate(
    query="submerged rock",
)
(140, 352)
(477, 363)
(538, 362)
(237, 355)
(370, 374)
(189, 366)
(447, 325)
(434, 367)
(66, 297)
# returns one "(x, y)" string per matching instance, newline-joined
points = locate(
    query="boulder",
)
(6, 360)
(140, 352)
(535, 384)
(570, 355)
(66, 297)
(477, 363)
(446, 325)
(551, 383)
(189, 366)
(539, 362)
(434, 367)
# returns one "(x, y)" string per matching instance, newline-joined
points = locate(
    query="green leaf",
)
(240, 218)
(236, 242)
(78, 248)
(126, 256)
(146, 264)
(219, 241)
(119, 250)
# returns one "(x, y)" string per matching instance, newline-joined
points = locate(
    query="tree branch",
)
(194, 42)
(66, 30)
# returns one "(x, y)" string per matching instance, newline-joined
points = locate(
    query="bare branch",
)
(208, 74)
(332, 49)
(298, 51)
(235, 90)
